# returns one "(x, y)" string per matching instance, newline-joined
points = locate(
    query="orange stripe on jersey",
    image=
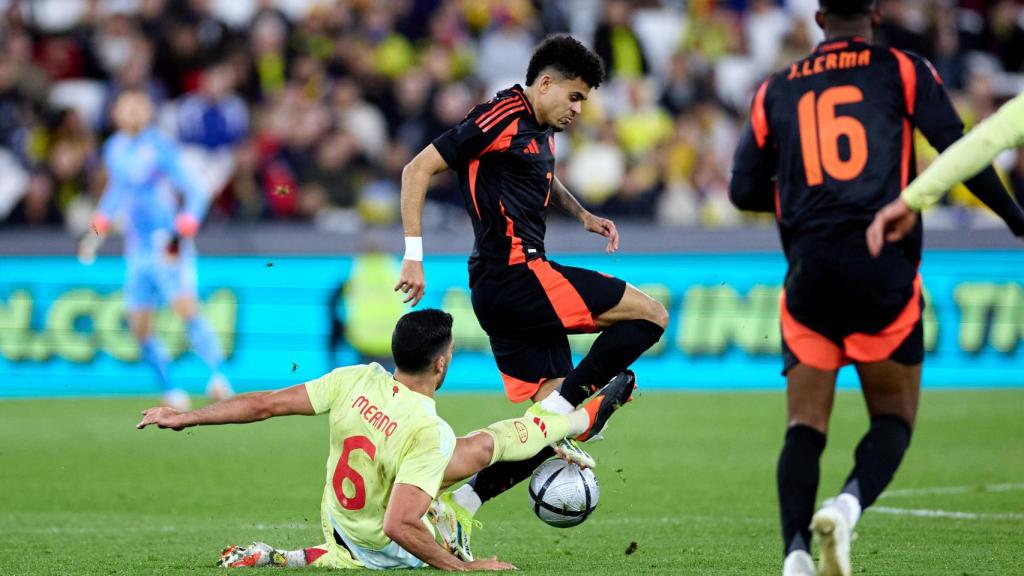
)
(474, 167)
(877, 347)
(810, 348)
(758, 116)
(492, 123)
(499, 144)
(907, 148)
(551, 143)
(504, 140)
(518, 390)
(909, 77)
(495, 110)
(564, 298)
(515, 253)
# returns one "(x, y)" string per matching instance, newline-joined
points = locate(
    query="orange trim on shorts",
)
(808, 346)
(877, 347)
(518, 390)
(566, 301)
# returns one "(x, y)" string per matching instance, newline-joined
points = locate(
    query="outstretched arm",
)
(415, 179)
(935, 116)
(967, 159)
(969, 155)
(566, 202)
(241, 409)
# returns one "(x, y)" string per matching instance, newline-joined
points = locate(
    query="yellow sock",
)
(521, 438)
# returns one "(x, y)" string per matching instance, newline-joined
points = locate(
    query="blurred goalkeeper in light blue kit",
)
(144, 172)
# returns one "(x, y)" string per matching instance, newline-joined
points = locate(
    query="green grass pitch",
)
(688, 477)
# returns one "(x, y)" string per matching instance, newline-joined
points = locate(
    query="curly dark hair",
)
(419, 338)
(569, 57)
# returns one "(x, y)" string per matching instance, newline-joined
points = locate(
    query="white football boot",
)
(798, 563)
(454, 525)
(252, 556)
(832, 530)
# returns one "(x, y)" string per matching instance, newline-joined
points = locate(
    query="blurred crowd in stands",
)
(308, 109)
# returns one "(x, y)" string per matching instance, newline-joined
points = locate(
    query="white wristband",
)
(414, 248)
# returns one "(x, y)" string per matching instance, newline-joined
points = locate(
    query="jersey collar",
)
(522, 94)
(833, 44)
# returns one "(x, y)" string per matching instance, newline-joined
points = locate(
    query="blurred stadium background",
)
(298, 115)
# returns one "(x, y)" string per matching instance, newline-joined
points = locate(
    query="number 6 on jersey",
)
(343, 471)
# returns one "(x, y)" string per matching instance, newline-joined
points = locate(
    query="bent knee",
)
(481, 449)
(657, 313)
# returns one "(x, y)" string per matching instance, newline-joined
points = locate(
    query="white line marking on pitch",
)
(925, 513)
(1010, 487)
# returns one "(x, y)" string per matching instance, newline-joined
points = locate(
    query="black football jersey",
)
(830, 139)
(505, 163)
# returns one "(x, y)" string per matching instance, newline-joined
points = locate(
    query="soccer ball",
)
(563, 494)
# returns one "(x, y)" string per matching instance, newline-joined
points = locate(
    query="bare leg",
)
(809, 397)
(629, 329)
(634, 305)
(891, 392)
(153, 353)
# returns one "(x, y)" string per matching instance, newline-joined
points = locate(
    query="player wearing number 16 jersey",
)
(829, 143)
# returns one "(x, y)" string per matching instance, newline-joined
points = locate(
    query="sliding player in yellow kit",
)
(391, 454)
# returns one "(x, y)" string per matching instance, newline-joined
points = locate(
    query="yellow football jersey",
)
(381, 433)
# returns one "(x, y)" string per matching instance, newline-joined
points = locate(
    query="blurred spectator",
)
(504, 52)
(617, 44)
(905, 26)
(211, 122)
(33, 83)
(72, 157)
(407, 113)
(646, 124)
(332, 179)
(949, 60)
(1006, 33)
(360, 118)
(710, 29)
(310, 109)
(597, 169)
(269, 57)
(134, 74)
